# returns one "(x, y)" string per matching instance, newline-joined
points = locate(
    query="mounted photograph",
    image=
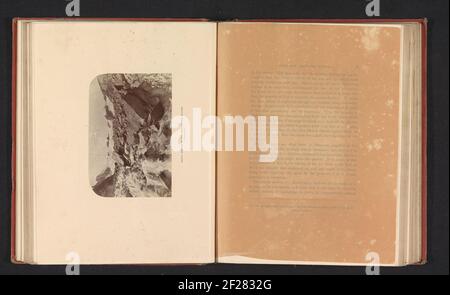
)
(129, 135)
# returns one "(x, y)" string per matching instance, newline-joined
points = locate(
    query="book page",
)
(108, 185)
(330, 194)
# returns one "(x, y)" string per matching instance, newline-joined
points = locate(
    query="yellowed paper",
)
(331, 195)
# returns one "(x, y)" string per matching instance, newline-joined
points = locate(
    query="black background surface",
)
(437, 12)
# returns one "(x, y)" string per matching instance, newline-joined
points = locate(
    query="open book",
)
(285, 142)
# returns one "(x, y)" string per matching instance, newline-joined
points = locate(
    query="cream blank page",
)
(70, 217)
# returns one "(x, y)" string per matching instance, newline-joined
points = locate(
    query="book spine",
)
(424, 141)
(13, 140)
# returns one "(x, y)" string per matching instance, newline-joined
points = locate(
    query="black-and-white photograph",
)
(129, 135)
